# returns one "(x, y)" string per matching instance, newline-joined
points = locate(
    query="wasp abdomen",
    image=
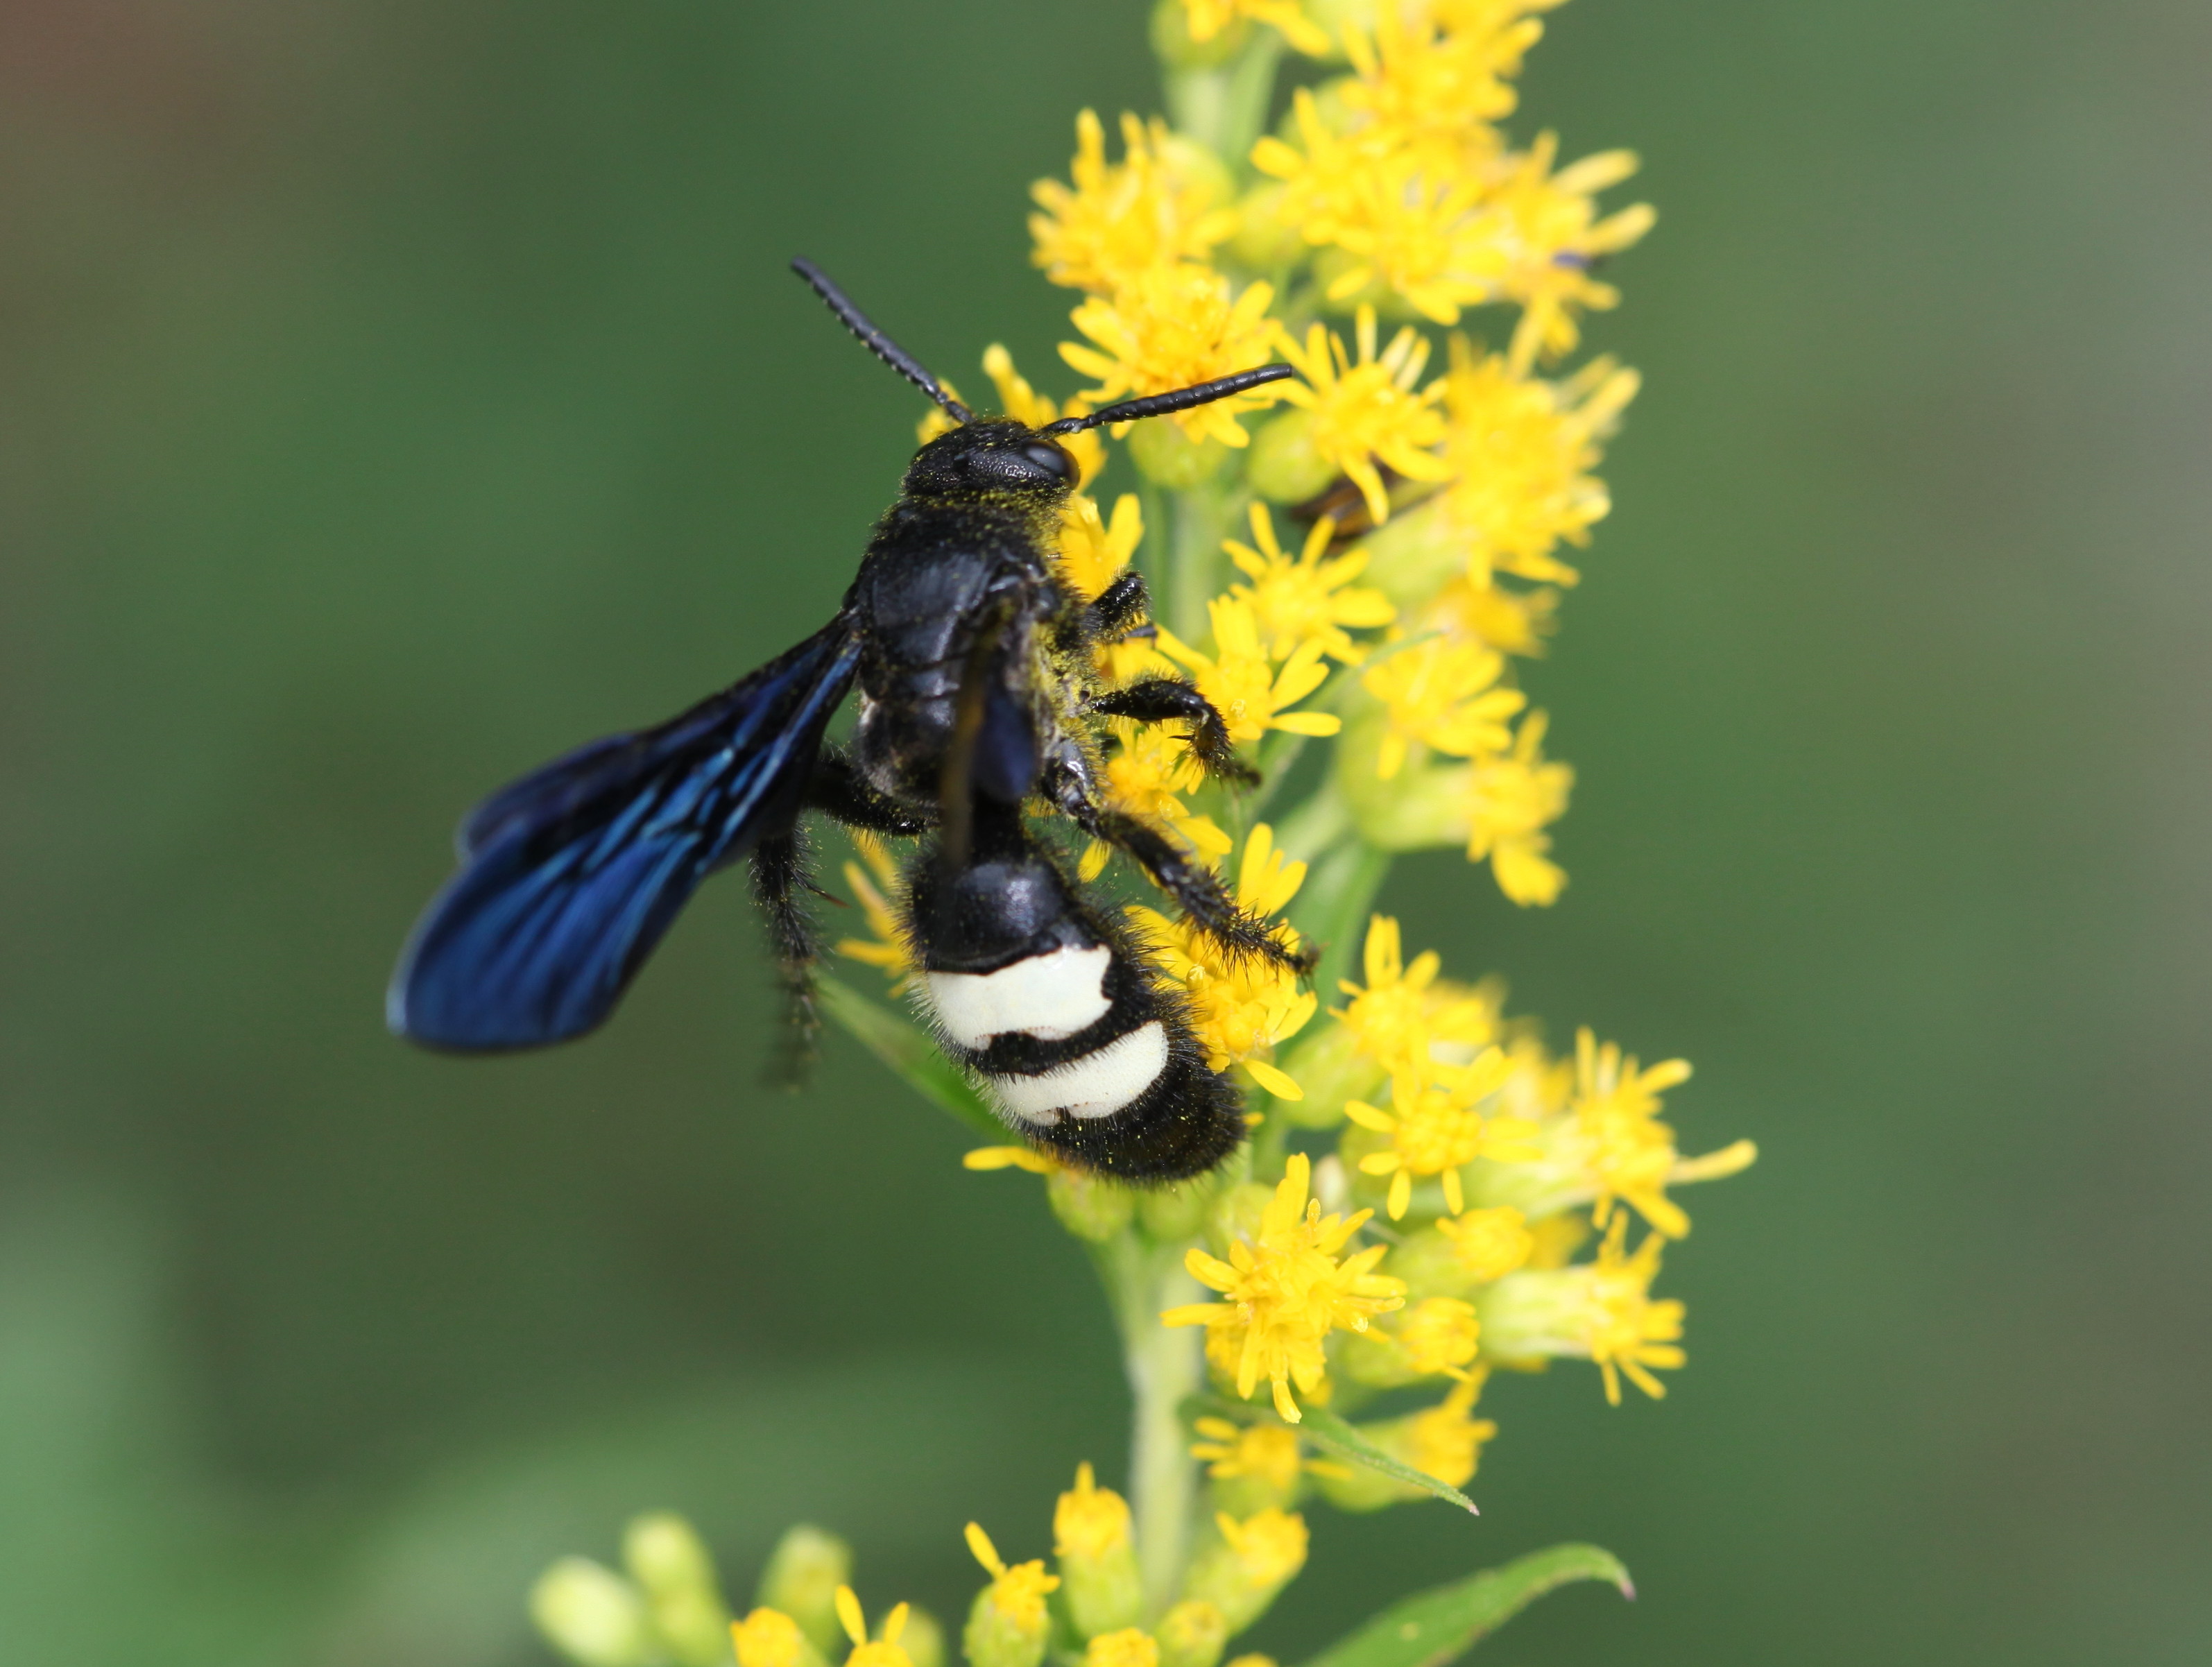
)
(1060, 1019)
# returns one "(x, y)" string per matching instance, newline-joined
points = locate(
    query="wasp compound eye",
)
(1051, 459)
(1035, 464)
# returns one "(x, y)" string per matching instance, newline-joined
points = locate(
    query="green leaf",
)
(1342, 1439)
(906, 1048)
(1433, 1628)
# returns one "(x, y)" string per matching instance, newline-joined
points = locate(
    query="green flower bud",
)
(665, 1557)
(1537, 1314)
(1178, 1211)
(1331, 265)
(923, 1639)
(1168, 457)
(1008, 1625)
(1283, 465)
(770, 1637)
(802, 1576)
(1431, 1265)
(1199, 165)
(1099, 1581)
(1414, 555)
(1251, 1466)
(1171, 42)
(1089, 1206)
(1192, 1634)
(1334, 15)
(1329, 1066)
(1423, 805)
(591, 1614)
(1237, 1215)
(1240, 1569)
(1370, 1358)
(1265, 239)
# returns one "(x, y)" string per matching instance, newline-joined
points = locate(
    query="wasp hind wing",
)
(571, 875)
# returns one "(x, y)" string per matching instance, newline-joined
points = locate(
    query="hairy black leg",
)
(837, 790)
(779, 875)
(1159, 700)
(1196, 889)
(1120, 609)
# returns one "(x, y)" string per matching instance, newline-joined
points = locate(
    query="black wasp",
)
(978, 697)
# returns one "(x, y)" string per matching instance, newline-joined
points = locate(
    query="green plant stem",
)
(1224, 107)
(1202, 516)
(1310, 830)
(1165, 1367)
(1337, 894)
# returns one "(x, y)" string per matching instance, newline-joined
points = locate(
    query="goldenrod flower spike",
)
(1305, 600)
(1389, 1015)
(1630, 1153)
(1266, 1453)
(1553, 235)
(1431, 88)
(1600, 1310)
(1520, 452)
(1249, 691)
(1240, 1573)
(1007, 1625)
(1164, 203)
(1488, 1243)
(1629, 1333)
(1097, 1557)
(1438, 1336)
(1173, 327)
(1287, 1289)
(1436, 1130)
(1366, 414)
(1443, 695)
(1510, 800)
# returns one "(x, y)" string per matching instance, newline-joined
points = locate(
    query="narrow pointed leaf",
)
(1434, 1629)
(905, 1047)
(1345, 1441)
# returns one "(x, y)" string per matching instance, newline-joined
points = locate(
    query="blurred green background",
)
(397, 393)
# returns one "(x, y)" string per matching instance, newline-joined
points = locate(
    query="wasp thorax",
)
(990, 457)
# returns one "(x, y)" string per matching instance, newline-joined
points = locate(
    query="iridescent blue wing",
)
(570, 876)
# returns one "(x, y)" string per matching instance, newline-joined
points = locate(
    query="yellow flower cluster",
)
(1367, 553)
(1397, 173)
(667, 1607)
(1287, 1288)
(1362, 554)
(1490, 1156)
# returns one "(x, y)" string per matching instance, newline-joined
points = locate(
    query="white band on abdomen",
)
(1050, 997)
(1095, 1086)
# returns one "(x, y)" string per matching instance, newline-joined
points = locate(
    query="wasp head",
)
(1000, 459)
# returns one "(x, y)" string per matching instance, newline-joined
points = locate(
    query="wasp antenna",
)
(880, 344)
(1179, 399)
